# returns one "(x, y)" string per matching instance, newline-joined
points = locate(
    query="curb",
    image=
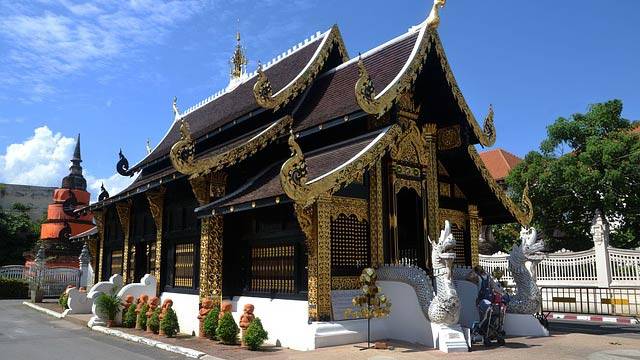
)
(195, 354)
(594, 318)
(43, 310)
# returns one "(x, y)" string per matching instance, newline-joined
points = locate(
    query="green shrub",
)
(255, 335)
(154, 321)
(142, 316)
(63, 301)
(227, 330)
(211, 323)
(129, 317)
(13, 289)
(109, 305)
(169, 323)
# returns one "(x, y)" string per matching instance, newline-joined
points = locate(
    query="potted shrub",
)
(129, 317)
(154, 321)
(227, 330)
(141, 322)
(255, 335)
(169, 323)
(109, 305)
(211, 323)
(63, 301)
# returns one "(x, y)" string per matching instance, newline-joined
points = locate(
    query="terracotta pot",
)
(109, 323)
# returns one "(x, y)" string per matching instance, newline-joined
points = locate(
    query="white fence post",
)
(84, 259)
(600, 233)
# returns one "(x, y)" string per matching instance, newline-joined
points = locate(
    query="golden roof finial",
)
(239, 60)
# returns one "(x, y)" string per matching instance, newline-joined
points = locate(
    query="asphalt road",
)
(29, 335)
(630, 331)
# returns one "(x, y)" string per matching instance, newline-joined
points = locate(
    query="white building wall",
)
(186, 307)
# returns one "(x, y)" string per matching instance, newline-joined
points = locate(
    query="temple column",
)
(474, 234)
(375, 214)
(429, 133)
(156, 206)
(206, 189)
(124, 214)
(98, 216)
(323, 251)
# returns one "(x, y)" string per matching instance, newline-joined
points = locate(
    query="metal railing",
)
(589, 300)
(54, 280)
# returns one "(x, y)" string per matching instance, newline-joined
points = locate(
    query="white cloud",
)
(113, 184)
(42, 159)
(49, 40)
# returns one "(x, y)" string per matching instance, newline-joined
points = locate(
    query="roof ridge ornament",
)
(488, 129)
(104, 194)
(433, 20)
(122, 167)
(176, 111)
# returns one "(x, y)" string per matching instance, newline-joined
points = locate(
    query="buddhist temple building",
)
(499, 162)
(62, 220)
(281, 188)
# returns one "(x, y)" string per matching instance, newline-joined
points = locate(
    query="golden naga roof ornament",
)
(293, 174)
(527, 206)
(488, 129)
(380, 103)
(188, 165)
(176, 111)
(263, 91)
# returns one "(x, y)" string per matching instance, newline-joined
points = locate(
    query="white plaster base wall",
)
(186, 307)
(523, 325)
(286, 321)
(467, 292)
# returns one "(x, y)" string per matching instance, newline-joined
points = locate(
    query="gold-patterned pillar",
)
(429, 134)
(98, 216)
(124, 214)
(474, 234)
(307, 219)
(375, 214)
(207, 188)
(156, 206)
(323, 282)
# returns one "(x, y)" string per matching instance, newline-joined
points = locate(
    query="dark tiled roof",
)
(267, 184)
(332, 94)
(236, 103)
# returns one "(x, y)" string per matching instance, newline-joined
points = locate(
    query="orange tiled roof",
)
(499, 162)
(636, 129)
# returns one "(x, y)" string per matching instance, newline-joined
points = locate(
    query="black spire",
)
(75, 180)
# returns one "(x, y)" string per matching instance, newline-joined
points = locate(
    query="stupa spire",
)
(75, 180)
(238, 62)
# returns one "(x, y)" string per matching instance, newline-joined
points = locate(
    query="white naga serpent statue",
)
(527, 297)
(443, 305)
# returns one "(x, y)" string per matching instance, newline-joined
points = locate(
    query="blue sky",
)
(109, 69)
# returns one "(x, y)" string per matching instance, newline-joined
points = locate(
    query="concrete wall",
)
(36, 197)
(186, 307)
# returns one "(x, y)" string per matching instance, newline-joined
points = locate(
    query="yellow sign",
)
(615, 301)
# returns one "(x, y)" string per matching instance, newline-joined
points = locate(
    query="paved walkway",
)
(29, 335)
(26, 334)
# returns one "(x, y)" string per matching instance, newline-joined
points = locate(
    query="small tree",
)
(142, 317)
(154, 321)
(372, 303)
(169, 323)
(211, 323)
(129, 318)
(63, 301)
(227, 330)
(255, 335)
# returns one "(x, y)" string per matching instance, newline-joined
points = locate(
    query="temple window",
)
(350, 245)
(113, 245)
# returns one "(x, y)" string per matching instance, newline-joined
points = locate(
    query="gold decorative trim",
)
(487, 134)
(156, 206)
(474, 234)
(449, 138)
(307, 219)
(431, 184)
(345, 282)
(400, 183)
(455, 217)
(523, 215)
(262, 89)
(293, 175)
(349, 206)
(183, 158)
(124, 214)
(375, 212)
(323, 274)
(98, 215)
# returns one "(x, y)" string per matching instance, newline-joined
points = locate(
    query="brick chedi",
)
(62, 222)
